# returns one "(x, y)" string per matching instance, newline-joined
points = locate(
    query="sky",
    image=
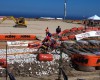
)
(49, 8)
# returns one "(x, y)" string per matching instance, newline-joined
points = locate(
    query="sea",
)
(50, 16)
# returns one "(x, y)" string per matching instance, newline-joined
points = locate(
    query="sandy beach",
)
(36, 27)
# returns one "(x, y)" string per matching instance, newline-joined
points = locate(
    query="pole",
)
(60, 65)
(61, 71)
(64, 9)
(6, 60)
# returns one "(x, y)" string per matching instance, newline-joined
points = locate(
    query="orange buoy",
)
(17, 37)
(44, 57)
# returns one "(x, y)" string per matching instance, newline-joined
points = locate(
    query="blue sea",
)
(38, 16)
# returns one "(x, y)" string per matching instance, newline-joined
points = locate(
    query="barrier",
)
(86, 60)
(66, 31)
(34, 44)
(71, 37)
(73, 29)
(87, 34)
(71, 33)
(64, 38)
(80, 28)
(6, 37)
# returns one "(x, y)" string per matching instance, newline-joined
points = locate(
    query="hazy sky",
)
(75, 8)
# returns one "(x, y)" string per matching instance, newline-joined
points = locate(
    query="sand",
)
(36, 27)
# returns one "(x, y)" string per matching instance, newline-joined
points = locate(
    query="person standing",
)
(58, 30)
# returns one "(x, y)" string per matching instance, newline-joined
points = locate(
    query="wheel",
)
(41, 50)
(50, 49)
(15, 26)
(98, 68)
(57, 50)
(83, 68)
(86, 68)
(74, 65)
(20, 26)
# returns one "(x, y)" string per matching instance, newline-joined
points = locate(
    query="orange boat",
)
(5, 37)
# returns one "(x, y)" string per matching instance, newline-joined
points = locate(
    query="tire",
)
(86, 68)
(97, 68)
(14, 25)
(20, 26)
(74, 65)
(50, 49)
(57, 50)
(82, 68)
(41, 50)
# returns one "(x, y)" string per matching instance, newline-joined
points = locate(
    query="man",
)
(47, 31)
(49, 41)
(58, 30)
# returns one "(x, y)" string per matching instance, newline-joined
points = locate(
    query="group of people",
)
(49, 37)
(58, 30)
